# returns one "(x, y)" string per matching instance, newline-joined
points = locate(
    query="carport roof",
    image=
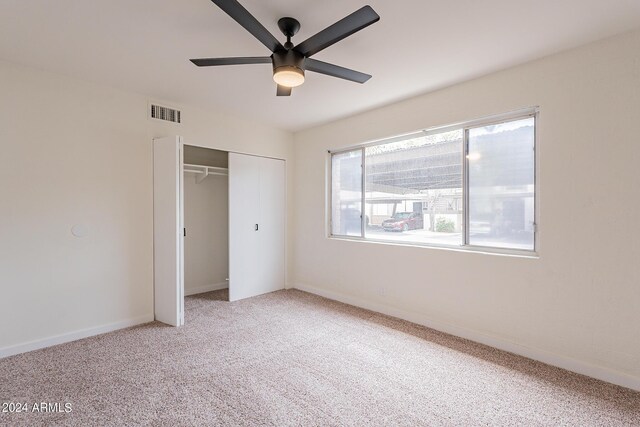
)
(498, 159)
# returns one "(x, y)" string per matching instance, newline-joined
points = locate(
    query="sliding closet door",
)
(168, 231)
(244, 225)
(256, 225)
(272, 224)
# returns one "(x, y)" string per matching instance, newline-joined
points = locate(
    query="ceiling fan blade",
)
(358, 20)
(283, 91)
(335, 71)
(251, 24)
(209, 62)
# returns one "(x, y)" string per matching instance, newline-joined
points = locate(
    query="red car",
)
(403, 221)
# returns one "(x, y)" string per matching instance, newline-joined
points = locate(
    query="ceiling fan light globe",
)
(288, 76)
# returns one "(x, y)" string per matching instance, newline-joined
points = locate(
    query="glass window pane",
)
(501, 185)
(346, 193)
(414, 189)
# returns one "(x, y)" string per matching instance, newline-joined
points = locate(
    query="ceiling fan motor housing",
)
(288, 60)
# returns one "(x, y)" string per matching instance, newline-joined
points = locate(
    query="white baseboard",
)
(205, 288)
(558, 360)
(73, 336)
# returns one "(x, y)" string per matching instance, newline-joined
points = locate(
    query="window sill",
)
(518, 253)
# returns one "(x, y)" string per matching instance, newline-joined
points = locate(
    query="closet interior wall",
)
(206, 220)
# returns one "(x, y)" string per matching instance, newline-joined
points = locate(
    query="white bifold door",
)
(257, 208)
(168, 231)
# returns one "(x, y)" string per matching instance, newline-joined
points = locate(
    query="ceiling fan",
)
(290, 62)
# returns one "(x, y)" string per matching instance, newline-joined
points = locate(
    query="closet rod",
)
(205, 171)
(214, 168)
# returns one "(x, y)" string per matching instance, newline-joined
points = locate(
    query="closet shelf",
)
(204, 171)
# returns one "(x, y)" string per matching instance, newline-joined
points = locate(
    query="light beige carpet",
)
(291, 358)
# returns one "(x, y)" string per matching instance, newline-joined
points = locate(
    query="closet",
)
(190, 186)
(206, 219)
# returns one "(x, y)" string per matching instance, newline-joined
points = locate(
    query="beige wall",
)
(78, 153)
(206, 247)
(578, 305)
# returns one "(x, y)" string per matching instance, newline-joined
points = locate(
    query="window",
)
(501, 184)
(346, 193)
(413, 189)
(470, 185)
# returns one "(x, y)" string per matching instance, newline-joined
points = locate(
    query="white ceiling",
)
(417, 46)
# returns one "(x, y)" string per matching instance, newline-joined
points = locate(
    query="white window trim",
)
(464, 246)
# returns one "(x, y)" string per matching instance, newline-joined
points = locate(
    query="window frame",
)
(464, 246)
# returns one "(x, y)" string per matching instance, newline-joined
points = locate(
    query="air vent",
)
(165, 113)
